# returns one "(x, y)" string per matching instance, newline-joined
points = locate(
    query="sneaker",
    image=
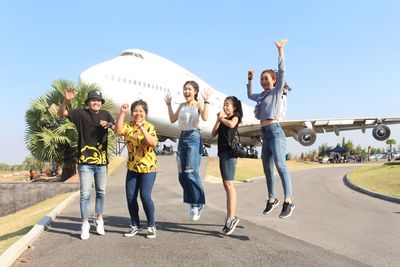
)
(286, 210)
(231, 225)
(191, 212)
(270, 206)
(99, 226)
(132, 231)
(196, 212)
(225, 225)
(85, 230)
(151, 232)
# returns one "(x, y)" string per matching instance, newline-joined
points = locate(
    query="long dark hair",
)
(237, 107)
(195, 86)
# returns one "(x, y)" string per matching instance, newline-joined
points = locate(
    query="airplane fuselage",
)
(136, 74)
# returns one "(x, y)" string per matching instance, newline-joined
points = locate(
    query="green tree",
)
(4, 167)
(349, 146)
(53, 139)
(324, 150)
(32, 163)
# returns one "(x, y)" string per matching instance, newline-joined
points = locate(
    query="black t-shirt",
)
(225, 136)
(92, 137)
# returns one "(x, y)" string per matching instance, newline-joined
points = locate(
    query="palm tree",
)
(53, 139)
(390, 142)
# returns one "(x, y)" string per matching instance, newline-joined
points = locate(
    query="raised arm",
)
(250, 95)
(203, 107)
(120, 122)
(69, 94)
(280, 79)
(280, 45)
(173, 116)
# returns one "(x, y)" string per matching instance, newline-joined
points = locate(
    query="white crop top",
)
(188, 117)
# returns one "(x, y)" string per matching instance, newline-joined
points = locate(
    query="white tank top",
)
(189, 117)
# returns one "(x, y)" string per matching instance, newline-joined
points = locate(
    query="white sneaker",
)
(151, 232)
(196, 213)
(191, 212)
(99, 226)
(85, 230)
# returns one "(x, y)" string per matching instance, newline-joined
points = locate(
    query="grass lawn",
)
(383, 178)
(16, 225)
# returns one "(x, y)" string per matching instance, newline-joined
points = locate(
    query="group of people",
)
(140, 136)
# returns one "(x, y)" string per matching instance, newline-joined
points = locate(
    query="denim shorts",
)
(227, 166)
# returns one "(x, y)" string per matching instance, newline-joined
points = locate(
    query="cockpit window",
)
(132, 54)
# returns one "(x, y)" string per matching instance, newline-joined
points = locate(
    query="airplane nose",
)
(88, 75)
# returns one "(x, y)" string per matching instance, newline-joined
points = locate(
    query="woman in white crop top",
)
(190, 146)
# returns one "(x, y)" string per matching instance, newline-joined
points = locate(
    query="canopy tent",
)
(338, 149)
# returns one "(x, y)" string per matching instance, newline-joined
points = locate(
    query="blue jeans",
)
(88, 174)
(227, 165)
(274, 150)
(190, 149)
(144, 182)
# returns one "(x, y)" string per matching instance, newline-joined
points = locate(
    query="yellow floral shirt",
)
(142, 158)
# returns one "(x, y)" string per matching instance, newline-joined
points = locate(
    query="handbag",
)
(238, 150)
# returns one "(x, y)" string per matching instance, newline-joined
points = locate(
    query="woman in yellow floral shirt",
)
(141, 139)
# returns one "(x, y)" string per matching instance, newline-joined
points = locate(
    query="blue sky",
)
(342, 58)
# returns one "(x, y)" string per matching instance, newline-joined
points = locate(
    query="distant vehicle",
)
(324, 160)
(396, 155)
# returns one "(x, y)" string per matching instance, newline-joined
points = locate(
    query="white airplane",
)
(137, 74)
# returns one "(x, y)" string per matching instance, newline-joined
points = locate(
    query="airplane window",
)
(129, 81)
(134, 82)
(127, 54)
(112, 78)
(140, 83)
(148, 85)
(119, 79)
(132, 54)
(144, 84)
(124, 80)
(156, 87)
(152, 86)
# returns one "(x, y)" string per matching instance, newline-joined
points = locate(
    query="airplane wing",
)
(304, 131)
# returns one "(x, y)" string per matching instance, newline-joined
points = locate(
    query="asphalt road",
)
(331, 226)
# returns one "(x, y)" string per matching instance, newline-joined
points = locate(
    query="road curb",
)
(349, 184)
(15, 250)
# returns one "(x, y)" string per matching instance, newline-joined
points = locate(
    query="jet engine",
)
(381, 132)
(307, 136)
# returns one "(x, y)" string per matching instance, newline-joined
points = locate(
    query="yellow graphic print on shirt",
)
(98, 155)
(142, 158)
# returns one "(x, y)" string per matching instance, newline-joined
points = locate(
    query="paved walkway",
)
(328, 228)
